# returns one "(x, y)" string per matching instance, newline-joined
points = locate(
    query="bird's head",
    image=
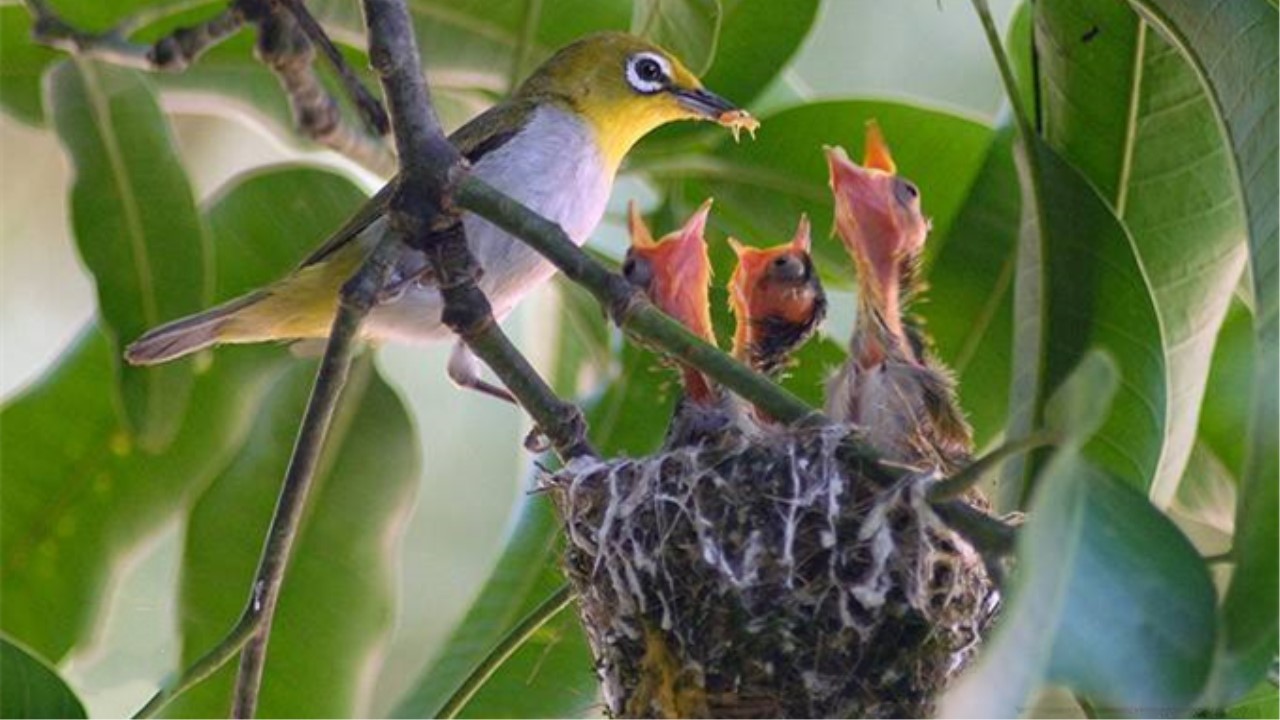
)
(626, 87)
(776, 298)
(879, 220)
(675, 273)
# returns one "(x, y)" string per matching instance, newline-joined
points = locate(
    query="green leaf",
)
(761, 187)
(1262, 702)
(758, 38)
(688, 28)
(32, 688)
(527, 572)
(336, 606)
(1207, 498)
(1094, 560)
(1079, 285)
(1233, 49)
(23, 65)
(1080, 405)
(1128, 111)
(82, 493)
(1224, 416)
(136, 226)
(266, 221)
(968, 308)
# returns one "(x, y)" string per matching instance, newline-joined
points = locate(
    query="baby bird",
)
(903, 399)
(776, 299)
(675, 273)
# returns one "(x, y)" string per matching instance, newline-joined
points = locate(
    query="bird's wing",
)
(479, 137)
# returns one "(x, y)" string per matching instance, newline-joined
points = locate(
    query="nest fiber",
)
(776, 576)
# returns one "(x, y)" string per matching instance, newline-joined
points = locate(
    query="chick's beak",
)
(681, 272)
(864, 218)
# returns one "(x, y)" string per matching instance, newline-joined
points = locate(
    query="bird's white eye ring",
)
(648, 72)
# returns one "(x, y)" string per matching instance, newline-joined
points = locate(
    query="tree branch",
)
(284, 45)
(371, 110)
(628, 307)
(422, 211)
(172, 53)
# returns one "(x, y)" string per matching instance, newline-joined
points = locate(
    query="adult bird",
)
(555, 145)
(675, 273)
(903, 398)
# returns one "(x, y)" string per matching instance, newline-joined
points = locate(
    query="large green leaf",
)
(336, 605)
(526, 573)
(757, 38)
(81, 493)
(32, 689)
(22, 64)
(1128, 111)
(1231, 376)
(1094, 559)
(136, 226)
(1078, 285)
(969, 305)
(1233, 48)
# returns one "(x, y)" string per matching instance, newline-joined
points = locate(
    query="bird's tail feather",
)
(187, 335)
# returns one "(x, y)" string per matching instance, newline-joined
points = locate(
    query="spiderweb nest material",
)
(776, 576)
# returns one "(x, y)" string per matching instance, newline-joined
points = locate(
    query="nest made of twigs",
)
(784, 575)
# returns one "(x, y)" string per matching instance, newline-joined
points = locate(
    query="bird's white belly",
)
(553, 168)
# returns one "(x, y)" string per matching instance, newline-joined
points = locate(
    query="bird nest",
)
(776, 576)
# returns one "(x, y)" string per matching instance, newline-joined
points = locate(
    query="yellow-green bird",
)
(555, 145)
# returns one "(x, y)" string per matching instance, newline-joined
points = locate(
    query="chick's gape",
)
(891, 386)
(555, 146)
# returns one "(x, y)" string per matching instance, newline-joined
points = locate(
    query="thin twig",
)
(285, 46)
(991, 536)
(506, 647)
(358, 296)
(956, 485)
(370, 107)
(422, 211)
(628, 307)
(171, 53)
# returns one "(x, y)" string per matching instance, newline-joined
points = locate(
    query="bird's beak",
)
(689, 265)
(864, 217)
(802, 240)
(703, 102)
(681, 270)
(876, 155)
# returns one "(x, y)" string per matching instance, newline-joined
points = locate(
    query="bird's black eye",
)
(638, 271)
(905, 192)
(788, 268)
(648, 72)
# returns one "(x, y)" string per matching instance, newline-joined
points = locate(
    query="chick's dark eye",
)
(905, 192)
(637, 271)
(788, 268)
